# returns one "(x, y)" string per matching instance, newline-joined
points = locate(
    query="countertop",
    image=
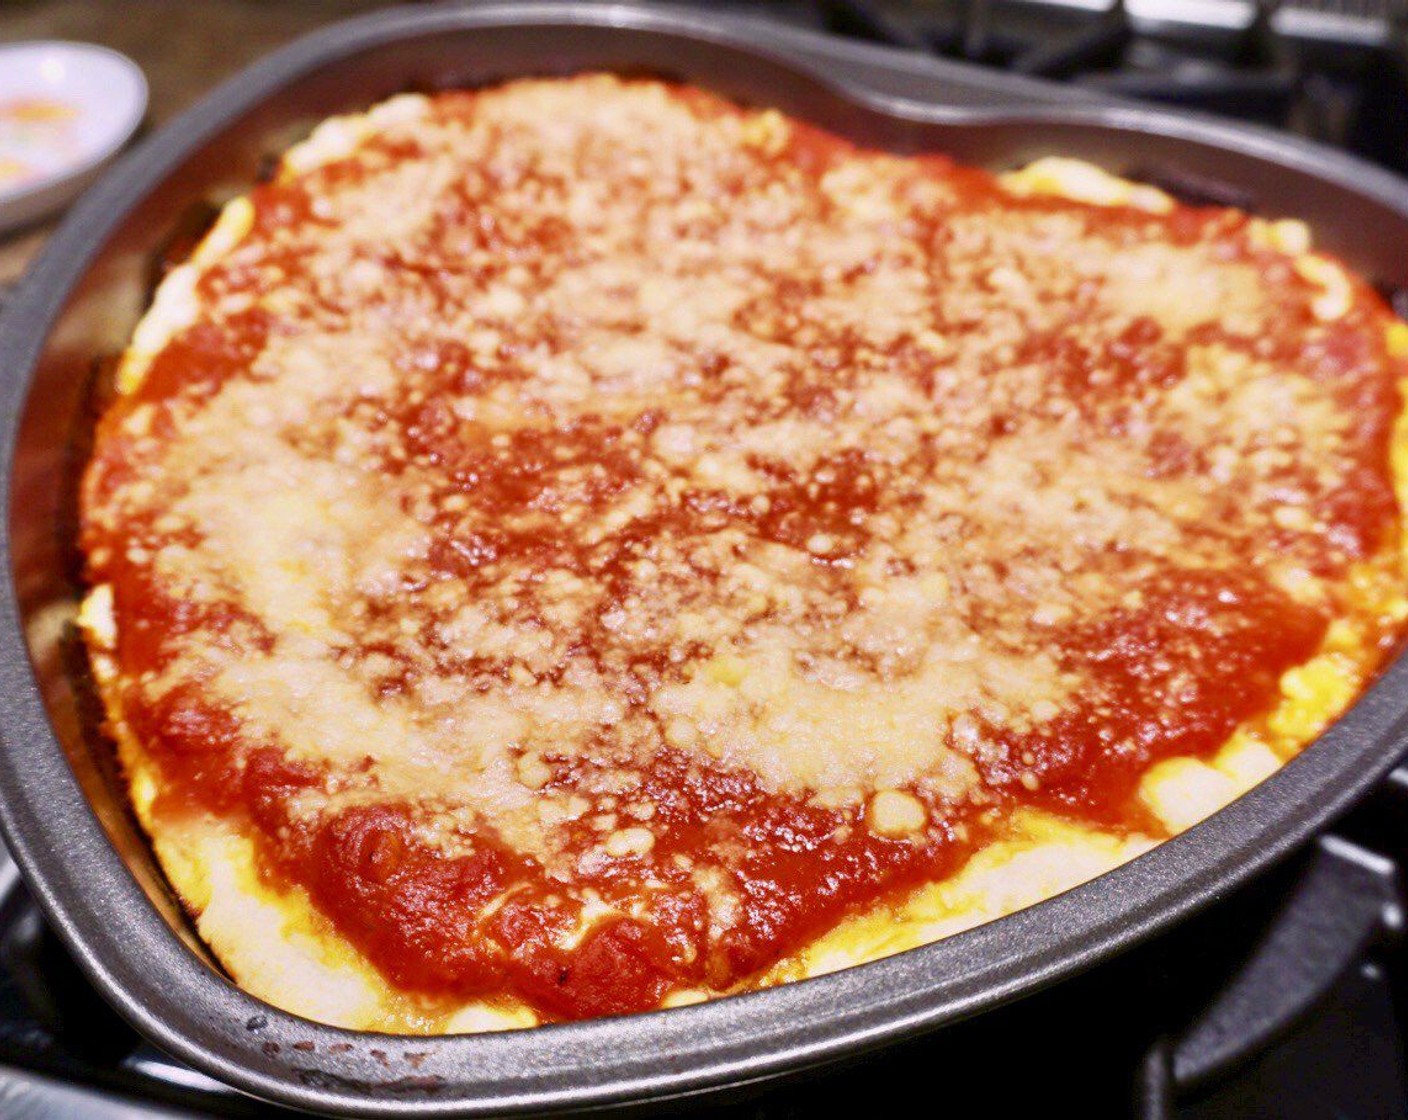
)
(184, 48)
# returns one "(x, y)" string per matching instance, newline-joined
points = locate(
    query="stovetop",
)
(1335, 71)
(1287, 999)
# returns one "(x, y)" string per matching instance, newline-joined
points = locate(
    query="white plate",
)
(65, 110)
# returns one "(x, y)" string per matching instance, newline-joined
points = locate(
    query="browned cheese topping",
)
(590, 517)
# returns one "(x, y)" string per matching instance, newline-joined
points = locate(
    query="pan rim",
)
(173, 998)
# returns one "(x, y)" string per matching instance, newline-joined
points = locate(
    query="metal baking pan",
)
(64, 815)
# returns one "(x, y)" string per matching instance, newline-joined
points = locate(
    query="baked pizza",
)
(583, 546)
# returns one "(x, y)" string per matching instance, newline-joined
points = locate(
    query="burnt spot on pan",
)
(96, 394)
(266, 170)
(180, 241)
(1193, 188)
(453, 81)
(1396, 296)
(410, 1086)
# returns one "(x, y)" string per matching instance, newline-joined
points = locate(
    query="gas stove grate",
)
(1335, 71)
(1197, 1025)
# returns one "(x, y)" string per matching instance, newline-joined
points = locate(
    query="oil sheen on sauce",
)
(714, 529)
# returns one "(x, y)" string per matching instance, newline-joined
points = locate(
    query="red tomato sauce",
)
(1174, 674)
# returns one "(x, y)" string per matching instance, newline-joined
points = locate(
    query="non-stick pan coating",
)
(66, 821)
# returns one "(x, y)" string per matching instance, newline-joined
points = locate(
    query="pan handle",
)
(1348, 903)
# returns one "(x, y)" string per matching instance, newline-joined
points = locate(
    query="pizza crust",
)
(276, 945)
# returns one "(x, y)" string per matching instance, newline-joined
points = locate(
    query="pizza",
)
(583, 546)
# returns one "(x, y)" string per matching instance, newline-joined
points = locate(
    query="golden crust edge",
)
(276, 945)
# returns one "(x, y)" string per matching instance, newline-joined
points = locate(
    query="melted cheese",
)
(758, 683)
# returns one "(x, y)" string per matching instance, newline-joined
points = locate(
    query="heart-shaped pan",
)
(64, 815)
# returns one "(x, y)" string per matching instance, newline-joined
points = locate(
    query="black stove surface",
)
(1335, 71)
(1287, 999)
